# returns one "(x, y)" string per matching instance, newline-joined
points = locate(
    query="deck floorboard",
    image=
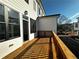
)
(40, 50)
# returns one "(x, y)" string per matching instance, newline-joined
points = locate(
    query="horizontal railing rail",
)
(54, 49)
(62, 51)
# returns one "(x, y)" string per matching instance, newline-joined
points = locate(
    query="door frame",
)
(23, 29)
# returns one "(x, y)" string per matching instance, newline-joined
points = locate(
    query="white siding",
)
(17, 42)
(20, 6)
(5, 49)
(76, 28)
(47, 24)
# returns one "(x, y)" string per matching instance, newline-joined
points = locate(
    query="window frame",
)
(13, 24)
(5, 9)
(76, 25)
(3, 22)
(32, 25)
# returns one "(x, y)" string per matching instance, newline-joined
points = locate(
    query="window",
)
(2, 13)
(76, 24)
(34, 5)
(27, 1)
(14, 25)
(2, 24)
(32, 25)
(9, 24)
(2, 32)
(39, 11)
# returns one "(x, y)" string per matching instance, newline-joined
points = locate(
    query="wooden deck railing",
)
(54, 49)
(62, 51)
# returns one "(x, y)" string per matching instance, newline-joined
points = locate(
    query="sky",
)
(68, 8)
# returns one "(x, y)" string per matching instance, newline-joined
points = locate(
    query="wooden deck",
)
(38, 50)
(42, 48)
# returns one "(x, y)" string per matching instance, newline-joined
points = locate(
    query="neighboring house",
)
(65, 29)
(76, 28)
(56, 23)
(16, 20)
(50, 23)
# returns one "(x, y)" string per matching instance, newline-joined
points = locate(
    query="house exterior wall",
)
(47, 24)
(20, 6)
(76, 28)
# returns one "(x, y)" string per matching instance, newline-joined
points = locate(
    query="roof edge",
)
(50, 15)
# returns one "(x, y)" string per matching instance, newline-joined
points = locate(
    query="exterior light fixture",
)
(25, 12)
